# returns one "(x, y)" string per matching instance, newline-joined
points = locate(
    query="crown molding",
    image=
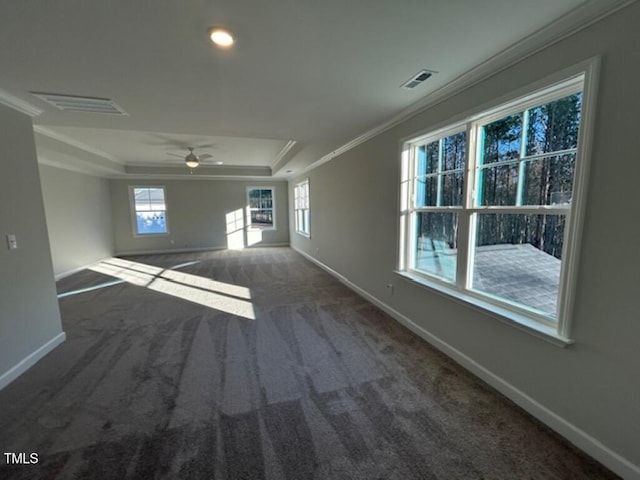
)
(76, 144)
(212, 171)
(202, 167)
(288, 146)
(570, 23)
(83, 168)
(220, 178)
(18, 104)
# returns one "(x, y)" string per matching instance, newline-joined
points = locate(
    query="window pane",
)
(554, 126)
(155, 194)
(427, 191)
(435, 244)
(302, 221)
(260, 198)
(298, 219)
(502, 139)
(254, 198)
(156, 199)
(454, 151)
(421, 160)
(151, 222)
(452, 189)
(549, 181)
(301, 193)
(427, 158)
(498, 185)
(262, 218)
(141, 199)
(517, 258)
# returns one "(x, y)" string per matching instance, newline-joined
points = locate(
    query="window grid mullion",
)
(527, 158)
(523, 153)
(439, 188)
(524, 210)
(476, 165)
(437, 210)
(464, 220)
(410, 226)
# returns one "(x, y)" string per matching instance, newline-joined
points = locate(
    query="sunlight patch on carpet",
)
(225, 297)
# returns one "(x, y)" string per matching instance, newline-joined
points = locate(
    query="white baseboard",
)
(575, 435)
(190, 250)
(30, 360)
(259, 245)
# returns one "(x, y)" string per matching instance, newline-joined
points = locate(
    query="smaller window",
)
(301, 208)
(261, 207)
(149, 210)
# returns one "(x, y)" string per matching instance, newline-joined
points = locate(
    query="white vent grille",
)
(74, 103)
(417, 79)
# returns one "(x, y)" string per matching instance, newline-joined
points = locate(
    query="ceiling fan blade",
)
(175, 155)
(203, 146)
(167, 140)
(204, 156)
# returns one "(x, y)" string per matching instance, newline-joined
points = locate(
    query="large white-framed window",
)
(301, 208)
(148, 210)
(491, 206)
(261, 208)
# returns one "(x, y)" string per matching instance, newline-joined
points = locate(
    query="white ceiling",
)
(315, 73)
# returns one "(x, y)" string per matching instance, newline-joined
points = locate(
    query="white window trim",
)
(273, 207)
(132, 209)
(585, 73)
(303, 233)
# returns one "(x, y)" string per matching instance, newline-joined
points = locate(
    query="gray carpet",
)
(257, 364)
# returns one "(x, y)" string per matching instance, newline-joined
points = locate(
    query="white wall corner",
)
(30, 360)
(68, 273)
(573, 434)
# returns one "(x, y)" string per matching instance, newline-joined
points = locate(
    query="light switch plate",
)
(12, 242)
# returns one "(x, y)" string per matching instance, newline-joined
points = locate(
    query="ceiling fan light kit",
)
(192, 159)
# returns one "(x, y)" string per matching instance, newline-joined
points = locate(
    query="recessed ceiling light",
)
(221, 37)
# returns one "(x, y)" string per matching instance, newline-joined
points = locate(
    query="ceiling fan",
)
(192, 160)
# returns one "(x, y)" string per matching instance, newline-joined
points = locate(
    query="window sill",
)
(145, 235)
(257, 228)
(303, 234)
(516, 320)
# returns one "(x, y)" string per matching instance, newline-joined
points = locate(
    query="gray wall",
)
(29, 315)
(595, 384)
(197, 214)
(78, 210)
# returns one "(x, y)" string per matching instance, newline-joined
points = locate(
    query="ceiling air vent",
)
(75, 103)
(417, 79)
